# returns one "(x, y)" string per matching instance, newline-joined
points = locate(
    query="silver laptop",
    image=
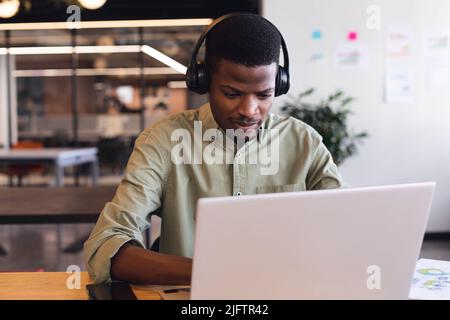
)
(358, 243)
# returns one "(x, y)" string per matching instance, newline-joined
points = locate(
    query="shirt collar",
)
(207, 118)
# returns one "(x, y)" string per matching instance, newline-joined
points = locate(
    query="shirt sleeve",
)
(323, 172)
(125, 218)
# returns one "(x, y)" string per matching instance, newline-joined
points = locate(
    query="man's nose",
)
(248, 106)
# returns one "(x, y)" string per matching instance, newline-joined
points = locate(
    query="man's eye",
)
(264, 96)
(231, 95)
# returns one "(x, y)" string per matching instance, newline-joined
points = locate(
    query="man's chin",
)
(248, 129)
(249, 132)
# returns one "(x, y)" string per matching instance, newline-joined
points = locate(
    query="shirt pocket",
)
(281, 188)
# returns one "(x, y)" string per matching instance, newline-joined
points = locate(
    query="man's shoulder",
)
(166, 126)
(159, 134)
(290, 126)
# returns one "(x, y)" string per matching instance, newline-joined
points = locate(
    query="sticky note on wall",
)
(316, 34)
(352, 36)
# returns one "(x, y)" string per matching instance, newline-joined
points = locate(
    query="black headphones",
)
(198, 79)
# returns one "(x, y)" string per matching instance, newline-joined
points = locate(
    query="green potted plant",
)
(329, 118)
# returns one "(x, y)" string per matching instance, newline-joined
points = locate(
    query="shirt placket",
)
(240, 169)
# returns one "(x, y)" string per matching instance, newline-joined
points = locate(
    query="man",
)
(242, 54)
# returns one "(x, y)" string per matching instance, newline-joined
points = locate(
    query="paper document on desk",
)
(431, 280)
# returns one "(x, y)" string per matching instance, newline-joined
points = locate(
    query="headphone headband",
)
(192, 78)
(230, 15)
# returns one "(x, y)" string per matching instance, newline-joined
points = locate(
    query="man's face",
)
(240, 96)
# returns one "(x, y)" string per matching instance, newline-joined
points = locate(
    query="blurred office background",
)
(121, 69)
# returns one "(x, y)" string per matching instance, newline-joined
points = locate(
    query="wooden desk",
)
(59, 158)
(52, 286)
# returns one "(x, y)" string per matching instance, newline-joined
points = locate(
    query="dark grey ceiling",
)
(55, 10)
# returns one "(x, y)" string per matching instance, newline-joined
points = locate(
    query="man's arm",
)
(108, 251)
(140, 266)
(323, 172)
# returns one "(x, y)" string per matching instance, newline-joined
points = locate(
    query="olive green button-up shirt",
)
(163, 173)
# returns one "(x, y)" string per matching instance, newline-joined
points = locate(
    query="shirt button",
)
(238, 193)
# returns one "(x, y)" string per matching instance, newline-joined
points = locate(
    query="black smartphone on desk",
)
(111, 291)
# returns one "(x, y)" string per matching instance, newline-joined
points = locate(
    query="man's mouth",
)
(246, 125)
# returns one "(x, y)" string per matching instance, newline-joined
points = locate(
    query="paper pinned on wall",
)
(437, 61)
(399, 45)
(431, 280)
(399, 84)
(437, 44)
(316, 34)
(317, 57)
(351, 55)
(352, 36)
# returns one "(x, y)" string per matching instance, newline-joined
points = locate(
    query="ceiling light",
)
(164, 59)
(158, 55)
(93, 72)
(107, 49)
(106, 24)
(9, 8)
(92, 4)
(40, 50)
(69, 50)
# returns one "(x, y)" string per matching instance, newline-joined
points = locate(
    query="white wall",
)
(408, 142)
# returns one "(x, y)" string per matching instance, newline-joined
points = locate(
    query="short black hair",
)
(246, 39)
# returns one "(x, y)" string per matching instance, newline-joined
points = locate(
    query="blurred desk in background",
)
(59, 158)
(54, 206)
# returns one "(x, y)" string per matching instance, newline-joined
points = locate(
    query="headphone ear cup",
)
(203, 80)
(190, 77)
(197, 78)
(282, 81)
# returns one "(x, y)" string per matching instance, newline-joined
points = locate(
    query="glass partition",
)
(119, 88)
